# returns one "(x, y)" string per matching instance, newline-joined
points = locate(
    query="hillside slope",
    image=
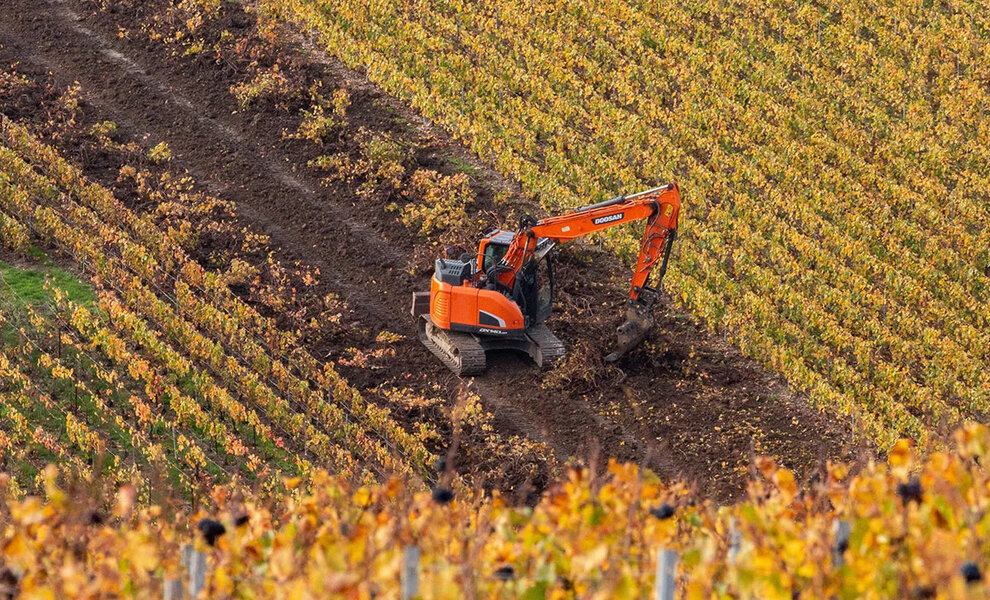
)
(834, 161)
(686, 404)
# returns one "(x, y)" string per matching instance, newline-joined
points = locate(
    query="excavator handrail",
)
(663, 187)
(620, 199)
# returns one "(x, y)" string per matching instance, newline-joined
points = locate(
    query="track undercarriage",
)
(464, 353)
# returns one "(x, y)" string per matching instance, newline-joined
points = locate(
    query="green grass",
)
(27, 285)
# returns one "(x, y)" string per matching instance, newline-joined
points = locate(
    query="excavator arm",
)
(658, 206)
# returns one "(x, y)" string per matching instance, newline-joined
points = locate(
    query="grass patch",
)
(27, 285)
(463, 166)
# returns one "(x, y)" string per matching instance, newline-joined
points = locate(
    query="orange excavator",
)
(500, 298)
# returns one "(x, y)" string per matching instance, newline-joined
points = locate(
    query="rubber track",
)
(470, 357)
(551, 348)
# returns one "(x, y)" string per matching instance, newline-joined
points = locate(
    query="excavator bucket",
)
(639, 321)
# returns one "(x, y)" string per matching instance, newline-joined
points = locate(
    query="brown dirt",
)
(686, 403)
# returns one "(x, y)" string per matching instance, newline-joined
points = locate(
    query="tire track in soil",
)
(367, 237)
(136, 86)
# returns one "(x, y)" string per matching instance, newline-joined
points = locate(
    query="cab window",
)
(493, 254)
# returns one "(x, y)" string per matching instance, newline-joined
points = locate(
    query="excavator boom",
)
(495, 299)
(660, 207)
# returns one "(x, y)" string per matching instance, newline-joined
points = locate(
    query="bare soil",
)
(686, 403)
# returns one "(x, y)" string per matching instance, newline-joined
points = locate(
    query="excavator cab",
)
(533, 288)
(470, 312)
(492, 249)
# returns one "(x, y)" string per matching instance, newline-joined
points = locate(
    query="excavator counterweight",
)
(499, 298)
